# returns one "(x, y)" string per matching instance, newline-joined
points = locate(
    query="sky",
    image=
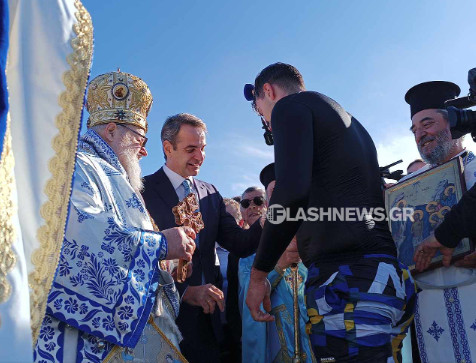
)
(196, 57)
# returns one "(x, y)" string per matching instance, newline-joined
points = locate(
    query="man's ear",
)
(109, 131)
(168, 147)
(269, 91)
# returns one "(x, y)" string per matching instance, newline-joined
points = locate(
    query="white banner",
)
(49, 59)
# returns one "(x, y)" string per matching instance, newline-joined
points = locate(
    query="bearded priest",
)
(109, 293)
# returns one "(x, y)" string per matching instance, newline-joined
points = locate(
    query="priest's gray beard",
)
(445, 145)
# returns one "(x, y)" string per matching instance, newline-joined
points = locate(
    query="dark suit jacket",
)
(220, 226)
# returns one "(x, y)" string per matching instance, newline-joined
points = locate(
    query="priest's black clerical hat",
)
(430, 95)
(267, 175)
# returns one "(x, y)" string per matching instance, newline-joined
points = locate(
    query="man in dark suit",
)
(183, 140)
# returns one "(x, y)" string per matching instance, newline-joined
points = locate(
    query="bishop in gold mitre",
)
(109, 300)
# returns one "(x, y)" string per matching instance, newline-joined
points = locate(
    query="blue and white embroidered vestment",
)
(274, 341)
(445, 317)
(105, 283)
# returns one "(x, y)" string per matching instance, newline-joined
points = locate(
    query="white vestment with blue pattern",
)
(108, 273)
(445, 317)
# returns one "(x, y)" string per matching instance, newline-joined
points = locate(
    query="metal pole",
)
(297, 345)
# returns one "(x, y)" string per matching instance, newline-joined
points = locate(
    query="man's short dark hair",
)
(281, 74)
(172, 126)
(252, 189)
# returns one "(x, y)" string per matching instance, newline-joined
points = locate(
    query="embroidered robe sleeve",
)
(107, 275)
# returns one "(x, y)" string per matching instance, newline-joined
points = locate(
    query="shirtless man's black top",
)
(324, 159)
(357, 293)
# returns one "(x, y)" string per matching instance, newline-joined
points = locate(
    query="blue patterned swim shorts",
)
(362, 312)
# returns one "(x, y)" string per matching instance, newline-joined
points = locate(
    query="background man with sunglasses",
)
(252, 205)
(184, 141)
(274, 342)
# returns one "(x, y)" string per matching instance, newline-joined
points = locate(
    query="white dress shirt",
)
(177, 180)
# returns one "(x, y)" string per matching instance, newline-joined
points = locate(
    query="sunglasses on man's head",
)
(258, 201)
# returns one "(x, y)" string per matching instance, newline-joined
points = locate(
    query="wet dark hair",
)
(281, 74)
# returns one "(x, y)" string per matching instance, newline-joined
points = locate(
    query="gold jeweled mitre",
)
(118, 97)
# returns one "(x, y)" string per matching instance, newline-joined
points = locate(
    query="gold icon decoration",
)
(120, 91)
(186, 214)
(118, 97)
(153, 347)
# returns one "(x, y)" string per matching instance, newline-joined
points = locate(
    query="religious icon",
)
(120, 91)
(429, 196)
(186, 214)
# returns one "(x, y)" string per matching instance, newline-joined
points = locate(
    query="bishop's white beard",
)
(130, 162)
(128, 157)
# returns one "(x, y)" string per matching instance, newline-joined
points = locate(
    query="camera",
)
(385, 173)
(268, 135)
(462, 121)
